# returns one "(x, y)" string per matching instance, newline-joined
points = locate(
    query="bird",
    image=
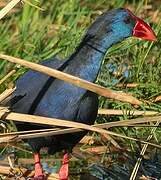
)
(39, 94)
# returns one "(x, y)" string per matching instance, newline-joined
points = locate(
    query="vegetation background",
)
(34, 34)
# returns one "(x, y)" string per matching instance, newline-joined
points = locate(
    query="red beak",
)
(143, 30)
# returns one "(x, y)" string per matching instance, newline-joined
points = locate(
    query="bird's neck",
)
(86, 61)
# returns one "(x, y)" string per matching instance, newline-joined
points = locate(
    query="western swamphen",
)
(39, 94)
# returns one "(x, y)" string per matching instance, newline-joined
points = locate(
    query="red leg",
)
(64, 170)
(38, 168)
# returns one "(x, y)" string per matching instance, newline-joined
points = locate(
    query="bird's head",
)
(115, 25)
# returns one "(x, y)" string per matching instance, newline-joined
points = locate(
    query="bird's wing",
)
(31, 83)
(86, 113)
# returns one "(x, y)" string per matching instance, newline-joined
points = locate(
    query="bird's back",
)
(29, 85)
(40, 94)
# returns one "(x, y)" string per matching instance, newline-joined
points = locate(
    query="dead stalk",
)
(121, 96)
(6, 94)
(8, 7)
(127, 112)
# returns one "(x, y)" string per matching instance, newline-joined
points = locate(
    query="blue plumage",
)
(42, 95)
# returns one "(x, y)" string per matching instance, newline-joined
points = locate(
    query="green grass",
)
(36, 35)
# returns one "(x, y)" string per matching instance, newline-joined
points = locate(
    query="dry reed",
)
(127, 112)
(6, 115)
(8, 7)
(74, 80)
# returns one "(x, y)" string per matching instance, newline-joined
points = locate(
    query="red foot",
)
(38, 168)
(64, 170)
